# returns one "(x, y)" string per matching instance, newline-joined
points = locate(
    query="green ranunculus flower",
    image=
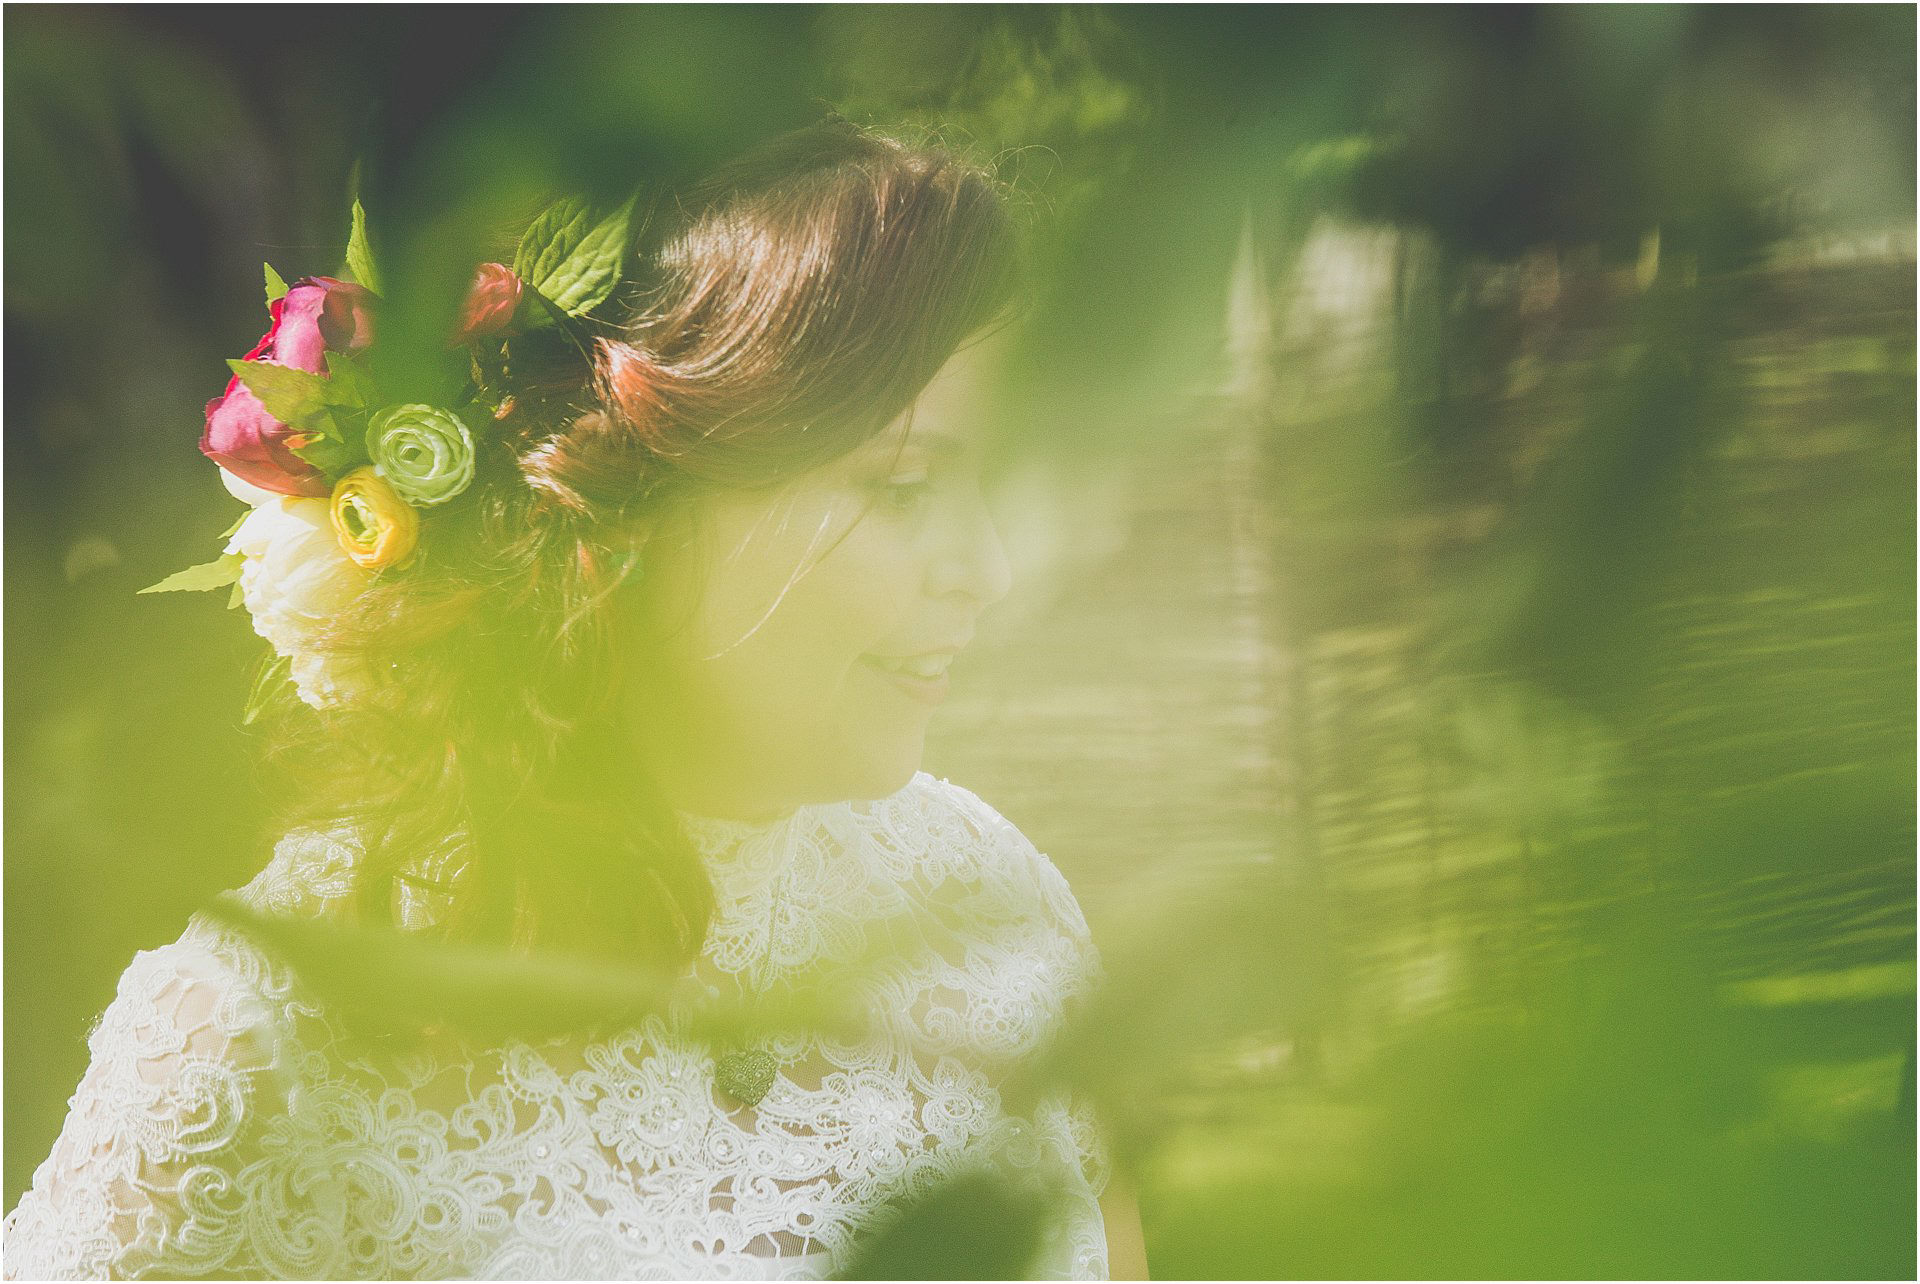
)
(424, 453)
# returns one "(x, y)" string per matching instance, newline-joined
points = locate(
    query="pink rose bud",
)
(491, 302)
(252, 445)
(319, 314)
(346, 315)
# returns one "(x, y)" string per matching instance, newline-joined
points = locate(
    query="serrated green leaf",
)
(550, 238)
(328, 450)
(275, 670)
(276, 288)
(237, 597)
(348, 384)
(238, 522)
(292, 396)
(586, 277)
(572, 259)
(218, 573)
(306, 403)
(359, 253)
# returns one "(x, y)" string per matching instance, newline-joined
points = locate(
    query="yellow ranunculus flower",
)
(376, 527)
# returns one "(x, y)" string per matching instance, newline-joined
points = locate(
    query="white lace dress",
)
(222, 1128)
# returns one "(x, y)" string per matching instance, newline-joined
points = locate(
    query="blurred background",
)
(1461, 483)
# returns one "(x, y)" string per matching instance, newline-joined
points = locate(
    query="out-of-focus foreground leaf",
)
(395, 984)
(973, 1227)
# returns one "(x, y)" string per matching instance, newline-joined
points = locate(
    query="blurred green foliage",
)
(1555, 367)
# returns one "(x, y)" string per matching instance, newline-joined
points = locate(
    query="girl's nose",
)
(975, 564)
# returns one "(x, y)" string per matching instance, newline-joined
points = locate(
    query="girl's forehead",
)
(957, 395)
(948, 415)
(918, 433)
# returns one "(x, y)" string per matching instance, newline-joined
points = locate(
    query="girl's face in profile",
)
(825, 613)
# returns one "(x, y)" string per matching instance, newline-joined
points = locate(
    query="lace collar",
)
(794, 890)
(743, 847)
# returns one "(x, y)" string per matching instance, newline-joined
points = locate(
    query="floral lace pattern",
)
(224, 1127)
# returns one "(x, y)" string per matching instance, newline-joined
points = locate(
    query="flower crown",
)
(339, 476)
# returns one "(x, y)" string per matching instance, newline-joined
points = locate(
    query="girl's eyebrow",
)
(940, 445)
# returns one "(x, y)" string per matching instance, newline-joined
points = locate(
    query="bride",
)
(627, 651)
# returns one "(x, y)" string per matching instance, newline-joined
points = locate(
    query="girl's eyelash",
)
(906, 494)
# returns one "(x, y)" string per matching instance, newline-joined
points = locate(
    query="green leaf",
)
(292, 396)
(329, 451)
(359, 253)
(588, 276)
(274, 670)
(306, 403)
(218, 573)
(572, 260)
(276, 288)
(235, 598)
(238, 522)
(348, 384)
(550, 238)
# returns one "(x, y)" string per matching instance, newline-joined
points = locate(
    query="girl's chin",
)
(884, 773)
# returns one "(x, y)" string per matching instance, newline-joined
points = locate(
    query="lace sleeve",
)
(143, 1177)
(1069, 1117)
(1068, 962)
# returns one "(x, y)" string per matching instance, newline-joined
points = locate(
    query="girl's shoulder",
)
(951, 832)
(189, 1065)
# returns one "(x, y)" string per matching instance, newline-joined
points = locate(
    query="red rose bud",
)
(491, 302)
(317, 315)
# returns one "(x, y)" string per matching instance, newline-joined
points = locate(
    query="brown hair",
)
(796, 303)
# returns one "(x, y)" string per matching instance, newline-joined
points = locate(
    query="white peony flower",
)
(296, 577)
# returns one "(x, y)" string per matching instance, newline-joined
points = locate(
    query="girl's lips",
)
(925, 690)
